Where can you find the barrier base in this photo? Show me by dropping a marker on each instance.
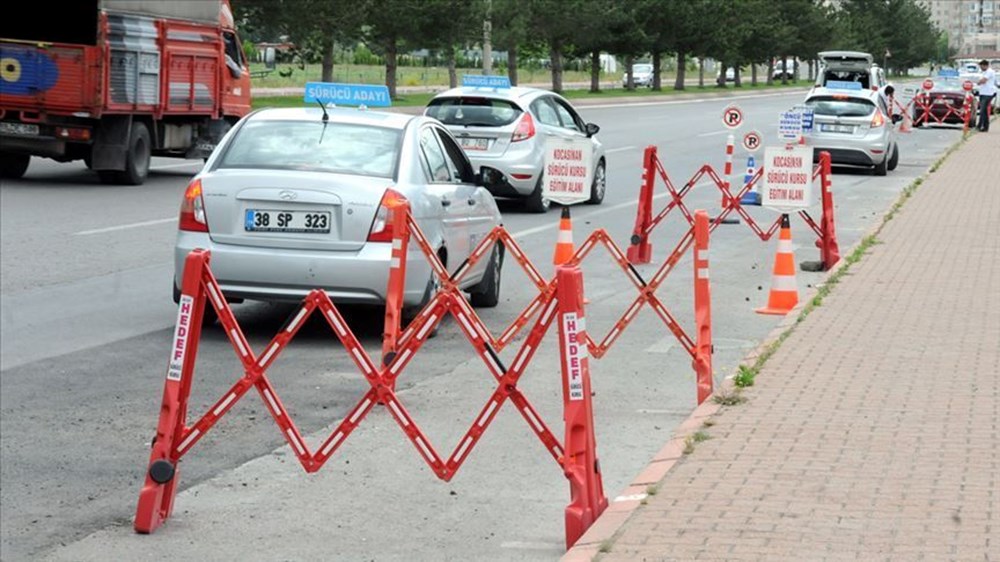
(774, 311)
(812, 266)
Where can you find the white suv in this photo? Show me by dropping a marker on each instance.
(852, 66)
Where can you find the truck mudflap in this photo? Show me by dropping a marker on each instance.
(209, 136)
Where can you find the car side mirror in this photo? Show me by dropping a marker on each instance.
(896, 118)
(591, 129)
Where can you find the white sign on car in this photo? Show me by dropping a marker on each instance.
(788, 178)
(568, 171)
(790, 125)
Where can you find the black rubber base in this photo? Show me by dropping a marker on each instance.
(161, 471)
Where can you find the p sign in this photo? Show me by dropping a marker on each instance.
(928, 84)
(568, 171)
(787, 178)
(732, 117)
(751, 141)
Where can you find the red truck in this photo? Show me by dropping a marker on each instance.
(113, 82)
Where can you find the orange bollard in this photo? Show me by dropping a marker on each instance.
(579, 460)
(640, 250)
(702, 363)
(564, 243)
(784, 293)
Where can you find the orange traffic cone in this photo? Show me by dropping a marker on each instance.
(784, 290)
(905, 125)
(564, 243)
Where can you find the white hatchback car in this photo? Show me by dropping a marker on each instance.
(503, 131)
(298, 199)
(854, 126)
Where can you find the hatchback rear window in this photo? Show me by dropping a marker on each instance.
(473, 111)
(840, 107)
(363, 150)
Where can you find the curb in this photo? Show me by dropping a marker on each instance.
(622, 507)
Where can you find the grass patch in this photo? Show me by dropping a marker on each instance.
(700, 436)
(728, 398)
(652, 490)
(708, 423)
(606, 546)
(421, 99)
(745, 377)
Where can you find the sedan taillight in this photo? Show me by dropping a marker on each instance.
(382, 225)
(193, 209)
(525, 128)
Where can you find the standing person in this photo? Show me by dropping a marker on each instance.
(987, 90)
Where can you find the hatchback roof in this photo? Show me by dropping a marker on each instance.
(845, 55)
(863, 93)
(512, 93)
(337, 115)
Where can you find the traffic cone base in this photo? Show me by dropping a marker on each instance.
(784, 293)
(564, 242)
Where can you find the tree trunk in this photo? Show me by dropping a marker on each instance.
(681, 68)
(811, 70)
(512, 64)
(737, 83)
(656, 71)
(753, 75)
(452, 75)
(720, 80)
(327, 65)
(390, 67)
(629, 77)
(770, 72)
(795, 70)
(595, 70)
(784, 70)
(701, 72)
(555, 58)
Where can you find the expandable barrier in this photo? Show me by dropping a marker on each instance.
(922, 105)
(560, 299)
(640, 249)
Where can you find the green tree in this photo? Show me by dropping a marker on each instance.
(556, 23)
(449, 25)
(391, 24)
(510, 21)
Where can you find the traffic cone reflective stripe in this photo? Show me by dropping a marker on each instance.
(564, 242)
(784, 293)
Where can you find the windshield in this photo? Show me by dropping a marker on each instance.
(363, 150)
(642, 69)
(840, 106)
(948, 84)
(473, 111)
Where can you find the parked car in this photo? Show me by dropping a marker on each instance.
(852, 66)
(642, 75)
(946, 101)
(292, 201)
(503, 131)
(784, 70)
(854, 127)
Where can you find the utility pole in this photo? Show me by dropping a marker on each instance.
(487, 45)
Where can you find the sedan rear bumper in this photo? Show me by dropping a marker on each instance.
(348, 277)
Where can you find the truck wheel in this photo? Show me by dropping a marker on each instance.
(137, 160)
(12, 165)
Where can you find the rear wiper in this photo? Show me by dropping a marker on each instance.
(478, 124)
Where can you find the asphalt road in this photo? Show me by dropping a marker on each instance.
(86, 319)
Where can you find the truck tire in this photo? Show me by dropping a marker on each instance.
(136, 159)
(12, 165)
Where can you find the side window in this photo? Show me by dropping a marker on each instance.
(568, 116)
(434, 156)
(458, 164)
(546, 114)
(233, 49)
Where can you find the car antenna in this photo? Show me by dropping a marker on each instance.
(326, 120)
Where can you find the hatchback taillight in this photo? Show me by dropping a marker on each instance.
(382, 225)
(878, 120)
(525, 128)
(193, 209)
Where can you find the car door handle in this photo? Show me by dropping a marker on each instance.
(445, 203)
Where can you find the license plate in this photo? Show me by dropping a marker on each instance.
(473, 143)
(940, 101)
(269, 220)
(18, 128)
(829, 128)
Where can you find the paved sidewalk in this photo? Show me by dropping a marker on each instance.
(873, 433)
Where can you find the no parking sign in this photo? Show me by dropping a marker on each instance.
(751, 141)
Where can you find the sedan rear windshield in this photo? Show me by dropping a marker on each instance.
(342, 148)
(841, 107)
(473, 111)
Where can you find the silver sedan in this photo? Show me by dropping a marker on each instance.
(504, 132)
(291, 201)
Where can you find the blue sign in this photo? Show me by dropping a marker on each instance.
(948, 73)
(808, 118)
(479, 81)
(843, 85)
(347, 94)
